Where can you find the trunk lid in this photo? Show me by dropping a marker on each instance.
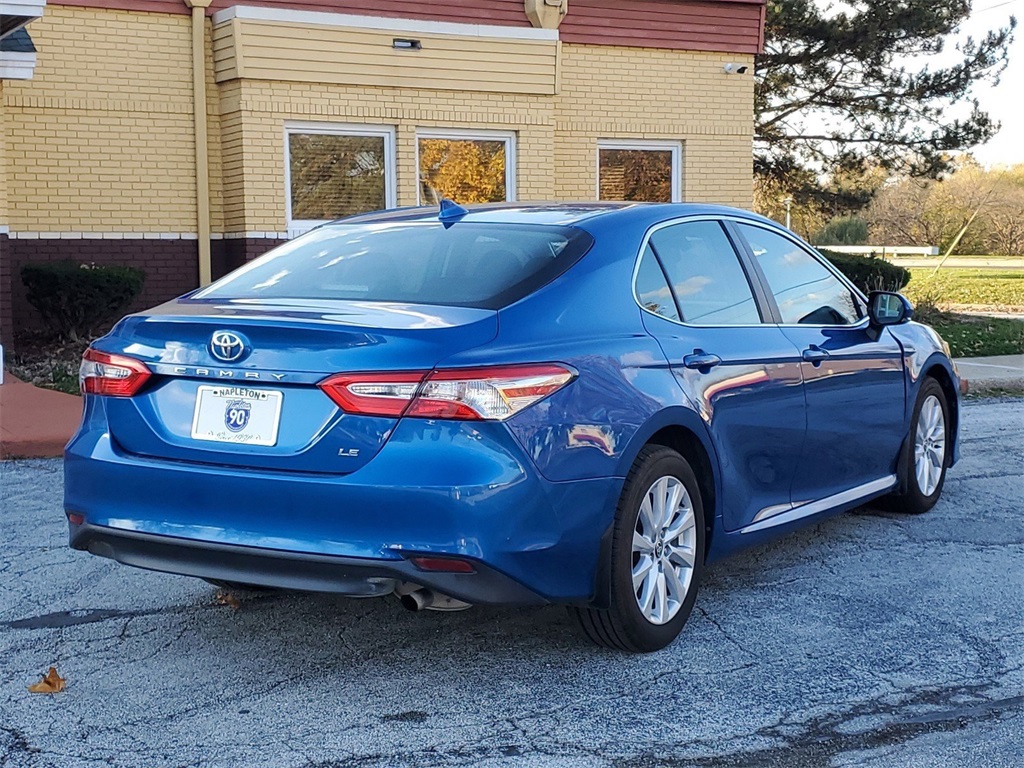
(289, 346)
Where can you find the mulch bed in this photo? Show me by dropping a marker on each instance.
(46, 362)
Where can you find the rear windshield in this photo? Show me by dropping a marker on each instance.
(467, 264)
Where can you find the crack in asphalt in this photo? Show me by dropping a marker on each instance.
(814, 745)
(822, 738)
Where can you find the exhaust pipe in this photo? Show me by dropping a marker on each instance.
(418, 600)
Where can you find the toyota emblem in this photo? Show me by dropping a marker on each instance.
(227, 346)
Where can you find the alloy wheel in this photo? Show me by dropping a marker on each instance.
(664, 548)
(930, 445)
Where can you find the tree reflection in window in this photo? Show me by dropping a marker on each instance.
(334, 175)
(641, 175)
(464, 170)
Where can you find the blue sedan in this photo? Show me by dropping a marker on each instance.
(515, 404)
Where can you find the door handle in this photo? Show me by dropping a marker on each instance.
(814, 354)
(701, 360)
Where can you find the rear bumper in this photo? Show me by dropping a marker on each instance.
(357, 577)
(436, 488)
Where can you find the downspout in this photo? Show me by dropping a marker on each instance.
(202, 152)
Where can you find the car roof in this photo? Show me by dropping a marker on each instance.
(565, 214)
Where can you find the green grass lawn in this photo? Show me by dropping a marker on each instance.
(996, 288)
(974, 336)
(971, 335)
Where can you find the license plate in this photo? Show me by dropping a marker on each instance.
(237, 415)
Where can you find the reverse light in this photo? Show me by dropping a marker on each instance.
(487, 393)
(493, 393)
(113, 375)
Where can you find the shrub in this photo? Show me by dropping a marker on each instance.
(843, 230)
(869, 273)
(74, 299)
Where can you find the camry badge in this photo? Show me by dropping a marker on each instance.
(227, 346)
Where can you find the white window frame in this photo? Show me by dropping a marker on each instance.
(387, 132)
(457, 134)
(676, 147)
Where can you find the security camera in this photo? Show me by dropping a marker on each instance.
(736, 69)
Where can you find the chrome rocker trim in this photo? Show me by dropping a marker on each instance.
(780, 514)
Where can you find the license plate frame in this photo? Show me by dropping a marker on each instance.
(234, 415)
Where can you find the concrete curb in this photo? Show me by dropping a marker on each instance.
(988, 374)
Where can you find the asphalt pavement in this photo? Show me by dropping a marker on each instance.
(865, 640)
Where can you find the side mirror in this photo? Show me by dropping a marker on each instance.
(886, 308)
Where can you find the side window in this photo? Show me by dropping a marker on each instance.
(805, 290)
(704, 271)
(652, 288)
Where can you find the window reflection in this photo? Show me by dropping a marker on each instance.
(652, 288)
(705, 273)
(804, 289)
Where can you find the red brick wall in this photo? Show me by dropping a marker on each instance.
(6, 312)
(227, 255)
(171, 268)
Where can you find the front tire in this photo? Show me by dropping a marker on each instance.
(928, 455)
(657, 557)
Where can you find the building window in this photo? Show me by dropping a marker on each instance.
(467, 167)
(647, 171)
(337, 170)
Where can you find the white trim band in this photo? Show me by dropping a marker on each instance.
(414, 26)
(5, 230)
(253, 236)
(17, 65)
(23, 8)
(102, 235)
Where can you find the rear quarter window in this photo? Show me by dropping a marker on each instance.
(466, 264)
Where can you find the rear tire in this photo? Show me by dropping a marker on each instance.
(657, 557)
(927, 457)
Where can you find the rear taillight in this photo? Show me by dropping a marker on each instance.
(114, 375)
(493, 393)
(487, 393)
(372, 394)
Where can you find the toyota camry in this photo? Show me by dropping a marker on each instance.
(523, 404)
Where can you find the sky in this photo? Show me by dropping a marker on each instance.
(1004, 102)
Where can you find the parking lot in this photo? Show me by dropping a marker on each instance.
(868, 640)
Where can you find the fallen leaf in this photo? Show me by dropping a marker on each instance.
(51, 683)
(226, 598)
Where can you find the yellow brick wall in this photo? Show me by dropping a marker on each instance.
(633, 93)
(606, 93)
(3, 158)
(254, 114)
(101, 139)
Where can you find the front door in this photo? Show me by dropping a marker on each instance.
(853, 375)
(742, 375)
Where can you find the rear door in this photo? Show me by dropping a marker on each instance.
(854, 380)
(742, 374)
